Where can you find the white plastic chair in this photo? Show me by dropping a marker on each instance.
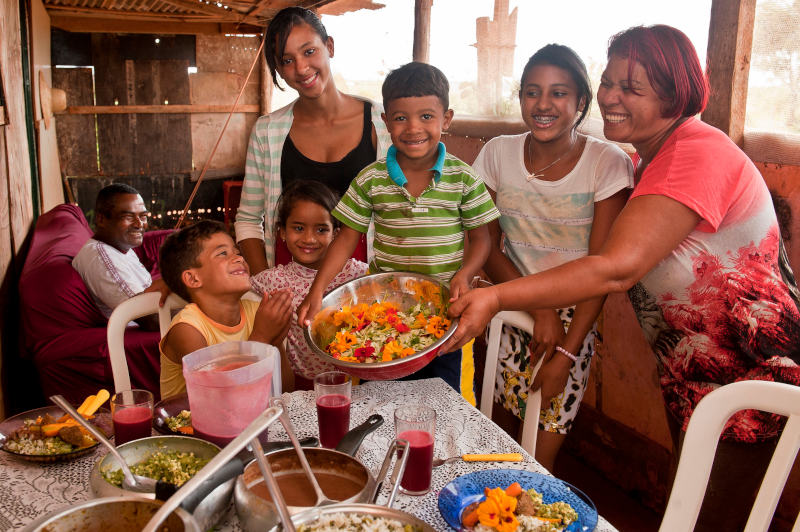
(521, 320)
(135, 307)
(700, 445)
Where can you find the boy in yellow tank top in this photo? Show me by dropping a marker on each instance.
(202, 264)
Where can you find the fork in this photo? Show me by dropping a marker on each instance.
(492, 457)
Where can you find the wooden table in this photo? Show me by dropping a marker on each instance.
(31, 489)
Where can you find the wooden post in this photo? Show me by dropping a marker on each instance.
(730, 42)
(422, 30)
(266, 86)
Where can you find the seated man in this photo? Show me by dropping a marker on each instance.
(107, 262)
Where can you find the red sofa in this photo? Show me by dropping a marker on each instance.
(64, 332)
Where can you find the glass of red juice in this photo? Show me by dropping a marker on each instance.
(333, 390)
(132, 413)
(416, 423)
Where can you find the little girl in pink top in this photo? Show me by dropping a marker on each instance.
(306, 226)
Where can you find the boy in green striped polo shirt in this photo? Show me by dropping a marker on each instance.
(421, 199)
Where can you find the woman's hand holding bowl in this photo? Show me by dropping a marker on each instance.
(474, 310)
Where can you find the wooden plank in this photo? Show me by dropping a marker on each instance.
(229, 54)
(6, 250)
(730, 40)
(51, 188)
(204, 13)
(422, 30)
(113, 131)
(77, 138)
(266, 86)
(213, 11)
(155, 109)
(20, 202)
(132, 24)
(163, 141)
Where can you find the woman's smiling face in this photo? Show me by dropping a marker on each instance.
(549, 102)
(630, 106)
(305, 63)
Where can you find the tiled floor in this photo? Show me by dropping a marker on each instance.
(622, 511)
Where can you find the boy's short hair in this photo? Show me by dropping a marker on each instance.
(180, 251)
(414, 80)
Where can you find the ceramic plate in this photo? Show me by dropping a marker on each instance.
(102, 419)
(166, 409)
(466, 489)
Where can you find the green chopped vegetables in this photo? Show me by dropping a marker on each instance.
(175, 467)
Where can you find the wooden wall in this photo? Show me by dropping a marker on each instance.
(141, 118)
(16, 204)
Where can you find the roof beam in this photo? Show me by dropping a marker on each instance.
(213, 11)
(163, 25)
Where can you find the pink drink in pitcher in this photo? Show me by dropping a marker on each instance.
(226, 392)
(417, 476)
(333, 413)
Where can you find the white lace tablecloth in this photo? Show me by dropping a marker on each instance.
(28, 490)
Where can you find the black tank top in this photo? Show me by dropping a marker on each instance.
(337, 175)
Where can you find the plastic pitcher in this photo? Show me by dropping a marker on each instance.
(229, 384)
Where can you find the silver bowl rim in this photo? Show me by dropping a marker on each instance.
(48, 518)
(150, 440)
(312, 514)
(346, 364)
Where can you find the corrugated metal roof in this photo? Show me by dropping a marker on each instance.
(248, 12)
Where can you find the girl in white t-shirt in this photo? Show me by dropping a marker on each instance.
(558, 192)
(306, 226)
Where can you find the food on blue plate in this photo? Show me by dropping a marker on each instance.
(514, 509)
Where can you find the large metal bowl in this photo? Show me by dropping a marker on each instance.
(312, 515)
(207, 513)
(404, 289)
(111, 514)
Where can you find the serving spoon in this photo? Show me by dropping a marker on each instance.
(131, 482)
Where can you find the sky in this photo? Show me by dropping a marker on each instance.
(370, 43)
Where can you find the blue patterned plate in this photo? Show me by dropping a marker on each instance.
(466, 489)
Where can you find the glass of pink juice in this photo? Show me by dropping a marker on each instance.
(333, 390)
(132, 414)
(416, 423)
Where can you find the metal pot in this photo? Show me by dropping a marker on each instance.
(209, 510)
(257, 514)
(405, 289)
(112, 514)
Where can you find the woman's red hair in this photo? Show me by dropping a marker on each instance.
(671, 63)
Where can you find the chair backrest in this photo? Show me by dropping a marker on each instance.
(520, 320)
(700, 445)
(135, 307)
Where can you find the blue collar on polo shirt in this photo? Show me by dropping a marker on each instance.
(396, 173)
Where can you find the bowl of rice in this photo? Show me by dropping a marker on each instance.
(382, 326)
(357, 517)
